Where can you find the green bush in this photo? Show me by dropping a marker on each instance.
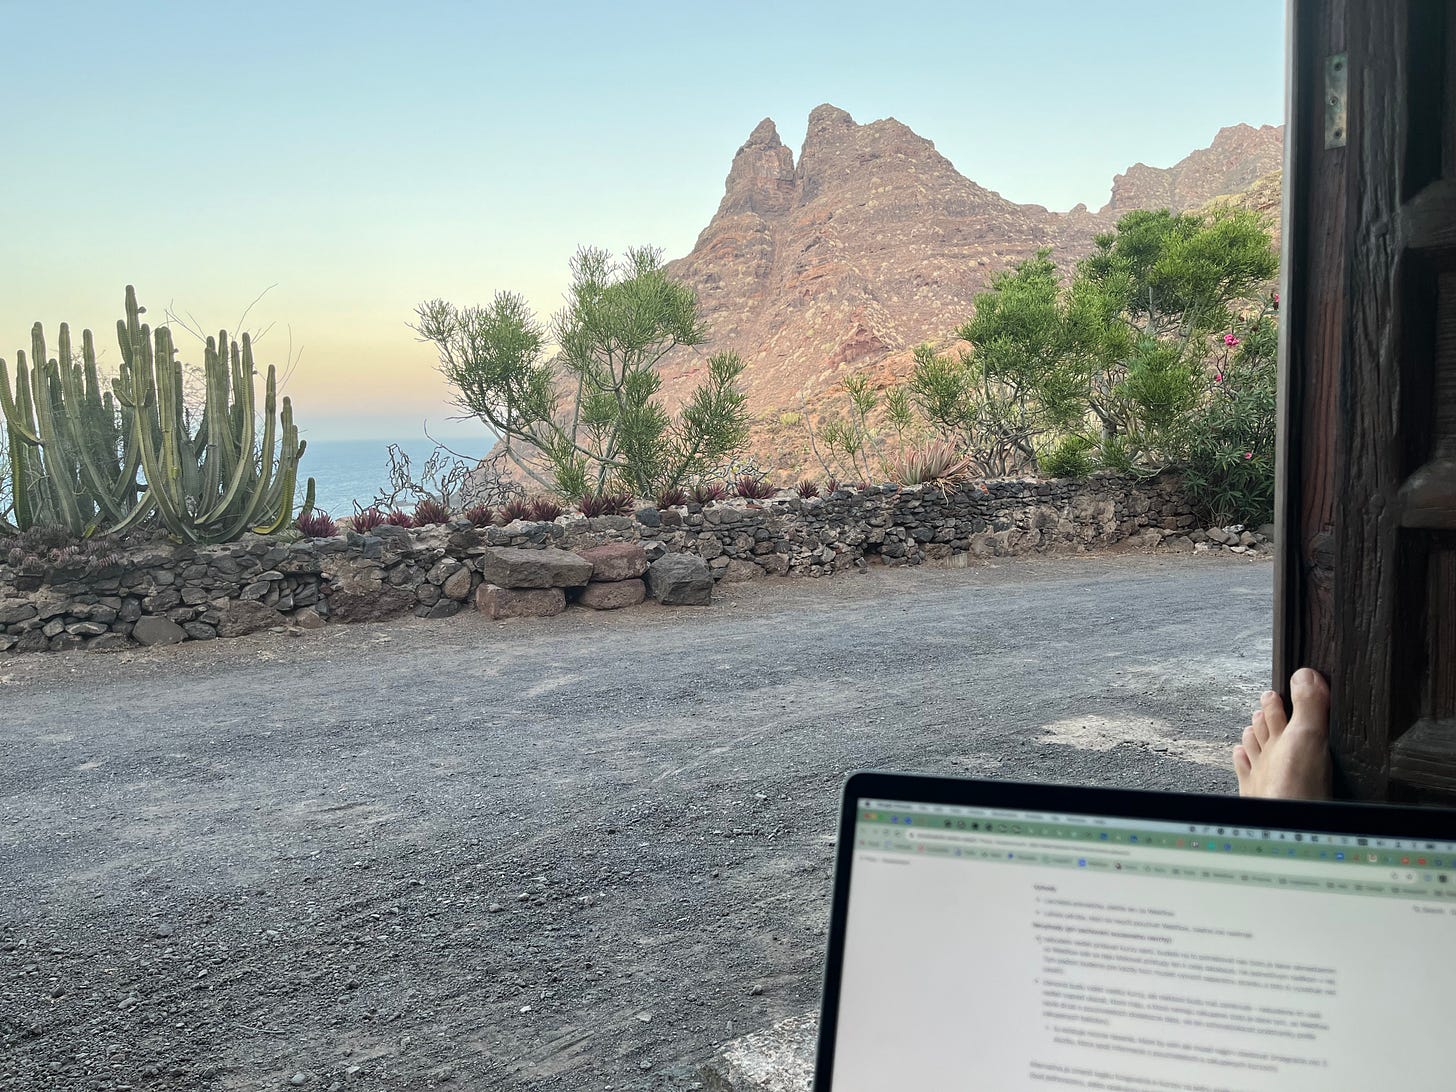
(1228, 451)
(1070, 458)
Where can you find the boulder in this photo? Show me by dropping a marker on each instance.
(613, 595)
(680, 580)
(243, 616)
(779, 1059)
(516, 567)
(457, 584)
(494, 601)
(308, 618)
(739, 572)
(152, 630)
(359, 593)
(616, 561)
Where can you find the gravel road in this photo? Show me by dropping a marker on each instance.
(578, 853)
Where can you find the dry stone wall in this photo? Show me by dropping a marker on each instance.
(165, 594)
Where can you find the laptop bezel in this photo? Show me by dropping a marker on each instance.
(1378, 820)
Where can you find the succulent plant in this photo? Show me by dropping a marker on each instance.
(76, 451)
(675, 497)
(400, 518)
(546, 510)
(480, 515)
(808, 489)
(366, 519)
(316, 524)
(605, 504)
(751, 488)
(514, 509)
(708, 493)
(430, 512)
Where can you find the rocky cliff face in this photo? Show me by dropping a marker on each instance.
(871, 243)
(1239, 156)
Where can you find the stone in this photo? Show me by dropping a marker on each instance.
(780, 1059)
(613, 595)
(1265, 531)
(151, 630)
(457, 584)
(243, 616)
(680, 580)
(649, 517)
(200, 631)
(16, 611)
(739, 572)
(358, 593)
(616, 561)
(496, 602)
(308, 618)
(86, 629)
(516, 568)
(445, 608)
(108, 642)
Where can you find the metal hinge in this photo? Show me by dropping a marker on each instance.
(1337, 83)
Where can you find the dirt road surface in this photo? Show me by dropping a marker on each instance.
(572, 854)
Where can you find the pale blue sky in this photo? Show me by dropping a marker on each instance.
(365, 156)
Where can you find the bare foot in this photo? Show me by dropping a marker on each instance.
(1288, 758)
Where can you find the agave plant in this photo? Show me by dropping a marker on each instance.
(429, 512)
(938, 464)
(675, 497)
(832, 485)
(512, 510)
(708, 493)
(366, 519)
(605, 504)
(546, 510)
(399, 518)
(479, 516)
(751, 488)
(316, 524)
(808, 489)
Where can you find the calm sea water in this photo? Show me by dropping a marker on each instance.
(350, 470)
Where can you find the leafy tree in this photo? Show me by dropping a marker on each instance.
(1113, 363)
(588, 416)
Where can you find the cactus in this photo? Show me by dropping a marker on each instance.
(76, 451)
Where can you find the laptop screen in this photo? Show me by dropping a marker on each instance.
(1003, 949)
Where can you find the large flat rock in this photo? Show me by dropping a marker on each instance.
(518, 567)
(497, 602)
(780, 1059)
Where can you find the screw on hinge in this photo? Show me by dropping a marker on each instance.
(1337, 81)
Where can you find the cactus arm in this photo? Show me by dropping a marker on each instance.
(45, 383)
(20, 425)
(244, 438)
(146, 401)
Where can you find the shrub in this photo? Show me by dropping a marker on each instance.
(1071, 458)
(480, 515)
(1228, 452)
(708, 493)
(808, 489)
(399, 518)
(937, 463)
(832, 485)
(751, 488)
(316, 524)
(514, 509)
(675, 497)
(53, 545)
(429, 511)
(367, 519)
(546, 510)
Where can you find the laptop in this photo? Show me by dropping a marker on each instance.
(992, 935)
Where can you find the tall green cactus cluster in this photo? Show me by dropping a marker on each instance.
(100, 461)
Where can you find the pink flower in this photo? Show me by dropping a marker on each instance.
(1230, 340)
(1248, 455)
(1218, 378)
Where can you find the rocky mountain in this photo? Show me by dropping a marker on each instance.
(1239, 156)
(872, 242)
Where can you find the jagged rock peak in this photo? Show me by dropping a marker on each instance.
(761, 180)
(826, 116)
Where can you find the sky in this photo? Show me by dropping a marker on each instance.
(350, 160)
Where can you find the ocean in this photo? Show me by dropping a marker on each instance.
(350, 470)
